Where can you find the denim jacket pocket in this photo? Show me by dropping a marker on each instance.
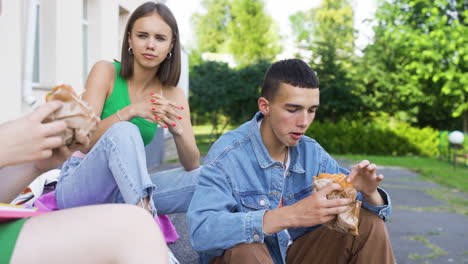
(303, 193)
(255, 202)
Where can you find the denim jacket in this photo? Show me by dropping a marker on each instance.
(239, 182)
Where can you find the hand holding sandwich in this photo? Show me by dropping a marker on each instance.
(28, 138)
(312, 210)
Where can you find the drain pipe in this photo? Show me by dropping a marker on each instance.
(28, 62)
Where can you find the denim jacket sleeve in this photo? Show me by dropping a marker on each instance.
(212, 217)
(383, 211)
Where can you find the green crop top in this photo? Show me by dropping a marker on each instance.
(120, 99)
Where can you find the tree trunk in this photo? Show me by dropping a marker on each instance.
(465, 121)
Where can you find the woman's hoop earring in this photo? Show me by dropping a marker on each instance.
(169, 55)
(130, 50)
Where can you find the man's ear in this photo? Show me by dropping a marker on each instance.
(264, 106)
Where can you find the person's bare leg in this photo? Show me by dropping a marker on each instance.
(113, 233)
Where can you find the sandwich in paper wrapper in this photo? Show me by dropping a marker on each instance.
(79, 116)
(347, 221)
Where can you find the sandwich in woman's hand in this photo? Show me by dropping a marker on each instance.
(347, 221)
(79, 116)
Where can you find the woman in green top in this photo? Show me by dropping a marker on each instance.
(79, 235)
(133, 98)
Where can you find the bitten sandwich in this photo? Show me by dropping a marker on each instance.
(79, 116)
(347, 221)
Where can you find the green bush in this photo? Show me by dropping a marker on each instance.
(377, 137)
(220, 95)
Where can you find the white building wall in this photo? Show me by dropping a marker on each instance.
(184, 72)
(48, 43)
(61, 46)
(103, 30)
(69, 43)
(10, 60)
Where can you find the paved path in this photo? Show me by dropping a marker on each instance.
(429, 223)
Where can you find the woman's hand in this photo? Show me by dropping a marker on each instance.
(166, 113)
(28, 139)
(156, 109)
(58, 156)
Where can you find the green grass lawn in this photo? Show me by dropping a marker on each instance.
(431, 169)
(203, 137)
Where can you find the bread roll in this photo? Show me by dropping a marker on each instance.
(79, 116)
(347, 221)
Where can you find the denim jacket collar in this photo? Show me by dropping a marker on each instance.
(263, 156)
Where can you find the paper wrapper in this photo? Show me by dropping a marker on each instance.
(79, 116)
(347, 221)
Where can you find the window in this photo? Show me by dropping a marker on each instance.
(85, 40)
(36, 59)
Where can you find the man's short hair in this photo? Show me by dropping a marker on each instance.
(294, 72)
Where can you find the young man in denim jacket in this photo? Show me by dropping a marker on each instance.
(253, 203)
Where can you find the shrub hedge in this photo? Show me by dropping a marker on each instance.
(377, 137)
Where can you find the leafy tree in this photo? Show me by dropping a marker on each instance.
(238, 27)
(195, 59)
(253, 35)
(384, 83)
(245, 93)
(210, 83)
(418, 61)
(225, 96)
(301, 24)
(330, 35)
(211, 27)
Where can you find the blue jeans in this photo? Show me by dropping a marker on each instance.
(114, 171)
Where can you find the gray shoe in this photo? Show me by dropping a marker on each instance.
(172, 258)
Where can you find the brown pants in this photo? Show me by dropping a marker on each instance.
(323, 245)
